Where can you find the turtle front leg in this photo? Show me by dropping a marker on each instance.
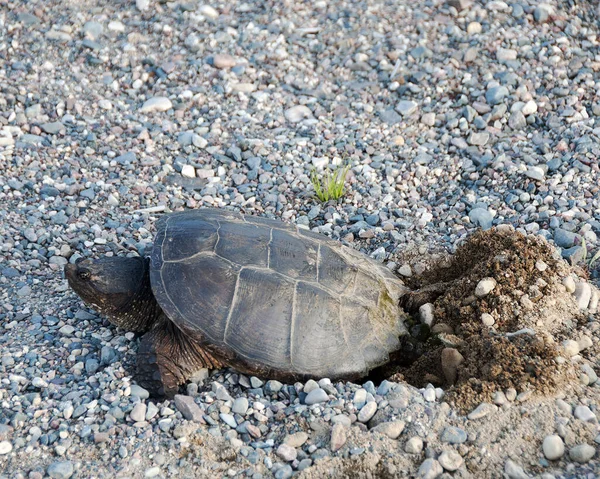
(413, 300)
(167, 357)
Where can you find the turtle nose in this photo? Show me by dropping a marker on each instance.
(70, 270)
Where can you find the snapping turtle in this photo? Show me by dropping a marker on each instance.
(269, 299)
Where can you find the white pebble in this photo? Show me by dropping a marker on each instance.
(426, 314)
(414, 445)
(570, 347)
(584, 413)
(487, 319)
(569, 284)
(157, 103)
(5, 447)
(450, 460)
(553, 447)
(485, 287)
(297, 113)
(583, 294)
(188, 171)
(208, 11)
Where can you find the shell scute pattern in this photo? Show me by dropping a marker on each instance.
(275, 296)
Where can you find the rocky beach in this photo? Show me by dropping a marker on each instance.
(471, 130)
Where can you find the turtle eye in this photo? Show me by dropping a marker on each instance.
(84, 274)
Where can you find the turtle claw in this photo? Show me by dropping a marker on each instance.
(413, 300)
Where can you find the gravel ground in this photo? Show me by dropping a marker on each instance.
(453, 116)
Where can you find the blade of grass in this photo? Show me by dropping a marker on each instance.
(332, 184)
(595, 258)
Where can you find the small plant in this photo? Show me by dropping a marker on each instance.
(595, 258)
(332, 185)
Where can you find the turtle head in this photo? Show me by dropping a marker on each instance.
(109, 284)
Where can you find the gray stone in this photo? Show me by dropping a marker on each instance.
(138, 413)
(296, 440)
(221, 392)
(284, 472)
(273, 387)
(583, 294)
(338, 437)
(590, 373)
(367, 411)
(529, 108)
(535, 173)
(541, 14)
(406, 107)
(496, 94)
(92, 30)
(297, 113)
(483, 410)
(316, 396)
(414, 445)
(517, 120)
(228, 419)
(91, 366)
(450, 460)
(224, 61)
(360, 398)
(429, 469)
(573, 255)
(390, 117)
(287, 452)
(420, 52)
(60, 470)
(481, 217)
(138, 391)
(391, 429)
(156, 104)
(514, 471)
(506, 54)
(188, 408)
(582, 453)
(564, 238)
(453, 435)
(341, 419)
(240, 406)
(255, 382)
(460, 5)
(479, 139)
(584, 413)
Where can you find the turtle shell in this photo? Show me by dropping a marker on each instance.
(275, 300)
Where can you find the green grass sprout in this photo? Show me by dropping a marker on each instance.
(332, 185)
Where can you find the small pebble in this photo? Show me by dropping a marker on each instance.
(582, 453)
(414, 445)
(485, 287)
(553, 447)
(338, 437)
(429, 469)
(450, 460)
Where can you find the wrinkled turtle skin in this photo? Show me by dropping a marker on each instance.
(274, 300)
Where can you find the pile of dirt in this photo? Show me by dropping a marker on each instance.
(531, 310)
